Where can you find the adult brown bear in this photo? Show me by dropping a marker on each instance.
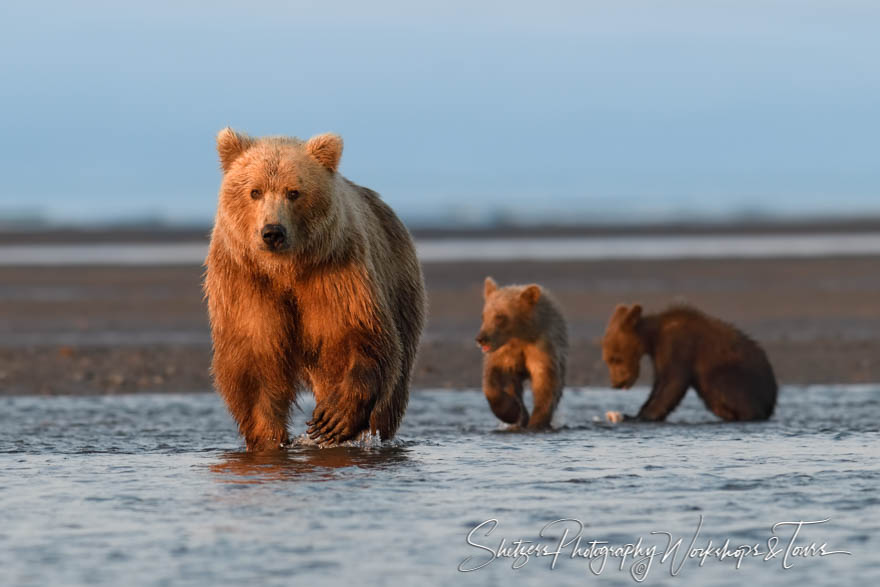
(311, 281)
(729, 370)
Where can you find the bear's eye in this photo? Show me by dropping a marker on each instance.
(292, 194)
(256, 194)
(501, 320)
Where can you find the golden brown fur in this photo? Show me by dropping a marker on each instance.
(524, 337)
(729, 370)
(336, 306)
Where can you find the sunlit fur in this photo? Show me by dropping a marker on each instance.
(729, 370)
(337, 309)
(524, 336)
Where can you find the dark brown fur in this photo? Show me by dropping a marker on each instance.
(729, 370)
(524, 337)
(338, 308)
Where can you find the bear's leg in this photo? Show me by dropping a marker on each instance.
(546, 389)
(261, 415)
(343, 412)
(668, 390)
(389, 410)
(268, 422)
(734, 396)
(764, 396)
(386, 417)
(504, 391)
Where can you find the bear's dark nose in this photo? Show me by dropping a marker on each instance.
(273, 235)
(482, 338)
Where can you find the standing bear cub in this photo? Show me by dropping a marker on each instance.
(728, 369)
(311, 281)
(523, 336)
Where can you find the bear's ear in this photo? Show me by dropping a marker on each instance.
(326, 149)
(489, 287)
(619, 313)
(531, 294)
(230, 145)
(634, 315)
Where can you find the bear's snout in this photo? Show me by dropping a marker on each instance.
(274, 235)
(625, 382)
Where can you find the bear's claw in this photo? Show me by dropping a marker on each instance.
(334, 427)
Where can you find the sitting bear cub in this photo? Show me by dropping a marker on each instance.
(523, 337)
(729, 370)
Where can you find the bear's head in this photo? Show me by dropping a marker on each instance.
(622, 347)
(277, 197)
(508, 312)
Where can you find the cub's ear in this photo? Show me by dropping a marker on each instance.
(326, 149)
(531, 294)
(634, 315)
(489, 287)
(619, 313)
(230, 145)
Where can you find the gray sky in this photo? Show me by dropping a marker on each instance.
(109, 109)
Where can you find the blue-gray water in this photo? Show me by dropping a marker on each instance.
(156, 490)
(487, 249)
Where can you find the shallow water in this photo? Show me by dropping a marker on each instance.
(156, 490)
(588, 248)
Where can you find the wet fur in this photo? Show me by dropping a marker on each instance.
(729, 370)
(340, 312)
(532, 344)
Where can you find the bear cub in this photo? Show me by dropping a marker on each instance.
(523, 336)
(688, 348)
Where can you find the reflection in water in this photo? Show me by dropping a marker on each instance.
(304, 463)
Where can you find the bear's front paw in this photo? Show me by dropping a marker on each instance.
(333, 423)
(614, 417)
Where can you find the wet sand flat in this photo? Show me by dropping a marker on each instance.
(111, 329)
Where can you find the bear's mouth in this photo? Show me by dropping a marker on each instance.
(484, 346)
(275, 251)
